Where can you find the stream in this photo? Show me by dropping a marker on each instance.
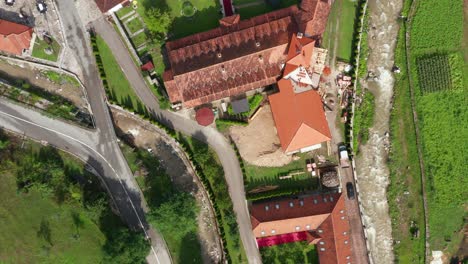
(371, 166)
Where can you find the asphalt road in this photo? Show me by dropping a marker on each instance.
(106, 152)
(218, 142)
(358, 240)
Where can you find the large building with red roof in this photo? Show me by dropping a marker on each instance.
(317, 219)
(240, 55)
(297, 108)
(109, 6)
(14, 38)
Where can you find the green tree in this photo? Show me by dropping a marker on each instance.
(176, 216)
(124, 246)
(157, 22)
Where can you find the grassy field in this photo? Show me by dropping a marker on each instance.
(443, 115)
(120, 88)
(290, 253)
(258, 177)
(47, 216)
(404, 191)
(260, 7)
(206, 17)
(21, 218)
(342, 15)
(40, 45)
(134, 25)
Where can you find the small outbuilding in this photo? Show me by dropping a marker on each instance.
(204, 116)
(240, 106)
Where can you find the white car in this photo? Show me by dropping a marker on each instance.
(41, 7)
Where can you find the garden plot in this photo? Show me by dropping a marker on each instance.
(439, 72)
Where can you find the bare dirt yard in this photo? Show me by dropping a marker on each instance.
(258, 143)
(23, 71)
(147, 136)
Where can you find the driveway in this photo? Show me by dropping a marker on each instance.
(211, 136)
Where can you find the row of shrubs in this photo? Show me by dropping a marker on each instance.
(277, 193)
(241, 161)
(357, 61)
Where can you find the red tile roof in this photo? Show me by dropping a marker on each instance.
(106, 5)
(14, 37)
(234, 58)
(299, 117)
(330, 232)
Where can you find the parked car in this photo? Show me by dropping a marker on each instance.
(350, 190)
(41, 6)
(9, 2)
(344, 158)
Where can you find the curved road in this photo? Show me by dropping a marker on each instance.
(211, 136)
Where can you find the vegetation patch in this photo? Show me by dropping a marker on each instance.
(173, 212)
(437, 28)
(43, 50)
(265, 182)
(60, 78)
(437, 25)
(290, 253)
(252, 8)
(134, 25)
(223, 125)
(343, 13)
(363, 119)
(434, 73)
(115, 83)
(404, 190)
(212, 176)
(52, 210)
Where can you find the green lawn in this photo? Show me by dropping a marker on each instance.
(261, 8)
(53, 218)
(60, 78)
(343, 13)
(134, 25)
(265, 176)
(21, 215)
(39, 50)
(290, 253)
(206, 18)
(123, 11)
(139, 39)
(120, 88)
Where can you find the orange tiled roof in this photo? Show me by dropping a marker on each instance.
(325, 215)
(106, 5)
(299, 117)
(14, 37)
(234, 58)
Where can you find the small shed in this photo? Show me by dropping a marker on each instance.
(147, 66)
(204, 116)
(240, 106)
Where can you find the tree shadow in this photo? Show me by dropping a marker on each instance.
(190, 249)
(45, 232)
